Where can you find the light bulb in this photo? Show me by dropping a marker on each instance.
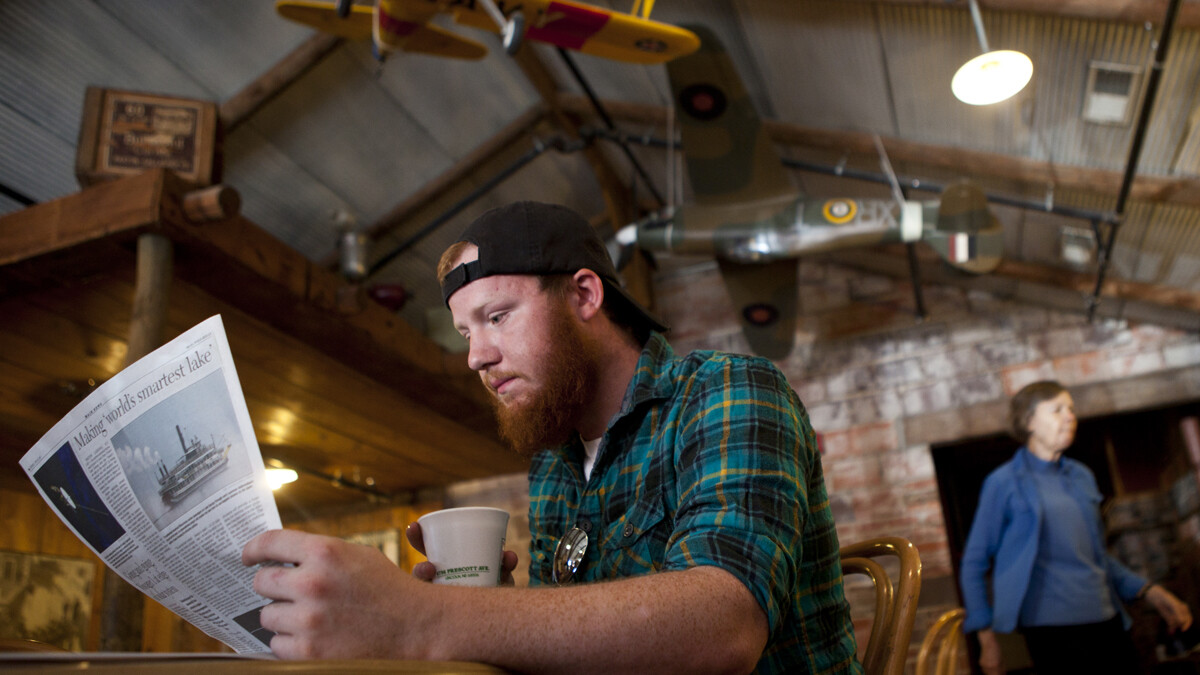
(277, 478)
(992, 77)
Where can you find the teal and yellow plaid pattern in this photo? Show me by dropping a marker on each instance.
(711, 461)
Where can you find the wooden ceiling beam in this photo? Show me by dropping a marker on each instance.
(1128, 11)
(239, 107)
(1154, 189)
(433, 190)
(892, 260)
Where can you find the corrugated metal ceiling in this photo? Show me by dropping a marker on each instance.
(356, 137)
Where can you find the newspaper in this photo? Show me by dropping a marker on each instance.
(158, 471)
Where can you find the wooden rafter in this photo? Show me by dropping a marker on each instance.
(239, 107)
(893, 261)
(491, 148)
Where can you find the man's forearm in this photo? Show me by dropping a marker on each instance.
(699, 620)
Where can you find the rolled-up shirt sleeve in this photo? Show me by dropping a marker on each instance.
(746, 455)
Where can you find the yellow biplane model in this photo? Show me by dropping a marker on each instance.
(405, 25)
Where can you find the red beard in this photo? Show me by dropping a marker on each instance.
(549, 415)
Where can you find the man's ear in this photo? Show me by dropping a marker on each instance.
(589, 293)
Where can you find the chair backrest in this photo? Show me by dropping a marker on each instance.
(895, 604)
(943, 636)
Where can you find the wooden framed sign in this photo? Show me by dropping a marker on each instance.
(125, 132)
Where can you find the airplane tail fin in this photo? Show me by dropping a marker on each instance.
(967, 235)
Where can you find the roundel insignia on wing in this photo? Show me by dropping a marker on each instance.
(702, 101)
(838, 211)
(760, 314)
(652, 45)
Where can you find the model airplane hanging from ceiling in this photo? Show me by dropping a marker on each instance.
(752, 219)
(406, 25)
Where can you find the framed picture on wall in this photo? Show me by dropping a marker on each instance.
(46, 598)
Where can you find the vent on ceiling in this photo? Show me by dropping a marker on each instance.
(1077, 246)
(1111, 92)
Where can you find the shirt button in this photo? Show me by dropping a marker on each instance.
(628, 530)
(585, 525)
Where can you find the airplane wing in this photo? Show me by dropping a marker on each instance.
(391, 25)
(737, 177)
(730, 158)
(591, 30)
(764, 296)
(427, 38)
(403, 25)
(323, 16)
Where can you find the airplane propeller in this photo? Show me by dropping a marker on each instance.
(512, 29)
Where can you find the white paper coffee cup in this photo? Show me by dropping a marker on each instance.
(465, 545)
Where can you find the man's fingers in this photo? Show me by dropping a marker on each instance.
(508, 563)
(271, 582)
(413, 532)
(272, 616)
(273, 546)
(425, 571)
(287, 647)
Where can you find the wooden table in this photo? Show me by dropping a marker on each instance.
(113, 663)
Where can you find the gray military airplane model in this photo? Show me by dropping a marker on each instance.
(754, 221)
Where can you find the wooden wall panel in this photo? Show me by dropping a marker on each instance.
(27, 525)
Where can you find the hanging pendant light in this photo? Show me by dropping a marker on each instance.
(993, 76)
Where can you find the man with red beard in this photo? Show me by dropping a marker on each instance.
(690, 484)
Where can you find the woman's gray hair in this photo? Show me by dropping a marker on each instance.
(1025, 402)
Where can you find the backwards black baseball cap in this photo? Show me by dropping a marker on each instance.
(541, 239)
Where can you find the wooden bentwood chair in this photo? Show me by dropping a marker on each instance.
(943, 636)
(895, 605)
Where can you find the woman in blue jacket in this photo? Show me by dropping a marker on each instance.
(1038, 531)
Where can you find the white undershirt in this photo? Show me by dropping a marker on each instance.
(590, 448)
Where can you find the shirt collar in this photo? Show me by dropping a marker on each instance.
(647, 383)
(1036, 464)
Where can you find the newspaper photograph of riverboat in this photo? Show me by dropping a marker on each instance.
(184, 449)
(200, 460)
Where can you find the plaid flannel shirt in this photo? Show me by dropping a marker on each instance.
(711, 461)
